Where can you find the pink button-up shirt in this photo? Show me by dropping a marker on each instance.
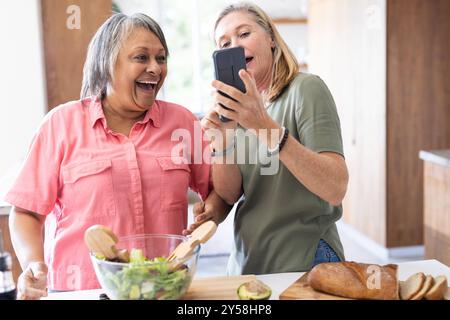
(79, 173)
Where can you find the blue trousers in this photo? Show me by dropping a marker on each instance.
(325, 253)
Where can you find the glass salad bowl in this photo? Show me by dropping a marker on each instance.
(148, 275)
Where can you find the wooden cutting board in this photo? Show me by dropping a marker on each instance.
(218, 288)
(300, 290)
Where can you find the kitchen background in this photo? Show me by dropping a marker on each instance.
(386, 63)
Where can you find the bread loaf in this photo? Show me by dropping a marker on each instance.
(355, 280)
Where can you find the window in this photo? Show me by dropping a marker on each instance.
(188, 28)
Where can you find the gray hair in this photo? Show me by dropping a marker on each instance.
(104, 49)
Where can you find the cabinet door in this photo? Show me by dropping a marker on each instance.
(68, 26)
(418, 113)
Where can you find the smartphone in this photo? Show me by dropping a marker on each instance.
(227, 63)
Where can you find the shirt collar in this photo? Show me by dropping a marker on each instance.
(96, 113)
(154, 114)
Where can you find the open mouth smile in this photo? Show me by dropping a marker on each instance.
(146, 85)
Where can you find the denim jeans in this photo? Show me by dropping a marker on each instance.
(325, 253)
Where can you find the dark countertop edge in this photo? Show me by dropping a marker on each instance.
(441, 157)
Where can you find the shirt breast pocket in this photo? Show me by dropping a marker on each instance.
(175, 177)
(88, 189)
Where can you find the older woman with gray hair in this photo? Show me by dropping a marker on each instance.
(106, 159)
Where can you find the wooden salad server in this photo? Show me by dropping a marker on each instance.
(102, 240)
(200, 235)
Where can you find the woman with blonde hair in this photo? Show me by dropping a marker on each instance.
(285, 219)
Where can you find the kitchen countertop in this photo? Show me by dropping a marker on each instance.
(281, 281)
(441, 157)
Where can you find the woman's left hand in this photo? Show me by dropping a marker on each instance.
(248, 109)
(202, 213)
(213, 208)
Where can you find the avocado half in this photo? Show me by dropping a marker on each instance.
(254, 290)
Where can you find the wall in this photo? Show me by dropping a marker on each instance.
(22, 89)
(386, 62)
(290, 17)
(347, 49)
(296, 37)
(149, 7)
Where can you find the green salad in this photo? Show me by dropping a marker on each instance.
(146, 279)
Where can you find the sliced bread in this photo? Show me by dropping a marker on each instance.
(447, 294)
(411, 286)
(438, 289)
(427, 284)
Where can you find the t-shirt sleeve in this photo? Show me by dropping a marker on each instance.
(36, 186)
(201, 180)
(317, 119)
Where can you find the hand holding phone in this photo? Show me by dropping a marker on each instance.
(227, 63)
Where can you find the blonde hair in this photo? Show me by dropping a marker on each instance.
(285, 66)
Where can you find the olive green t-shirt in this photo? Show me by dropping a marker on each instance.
(278, 222)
